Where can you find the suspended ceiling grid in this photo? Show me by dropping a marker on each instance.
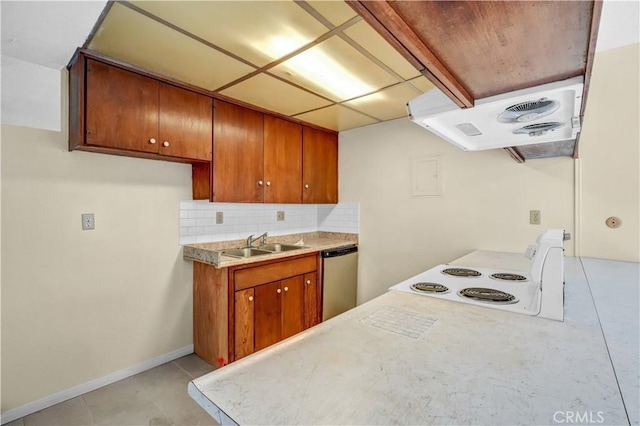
(317, 61)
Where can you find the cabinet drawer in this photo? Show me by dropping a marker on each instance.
(250, 277)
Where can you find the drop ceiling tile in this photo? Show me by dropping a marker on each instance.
(275, 95)
(422, 83)
(336, 12)
(387, 104)
(375, 44)
(334, 69)
(337, 117)
(134, 38)
(258, 31)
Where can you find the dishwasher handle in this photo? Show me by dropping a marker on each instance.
(340, 251)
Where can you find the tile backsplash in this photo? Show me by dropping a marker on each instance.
(198, 219)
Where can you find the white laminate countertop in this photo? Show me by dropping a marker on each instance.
(406, 359)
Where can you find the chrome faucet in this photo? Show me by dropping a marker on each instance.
(251, 240)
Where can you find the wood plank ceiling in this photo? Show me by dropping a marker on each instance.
(475, 49)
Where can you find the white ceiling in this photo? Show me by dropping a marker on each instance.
(47, 33)
(619, 24)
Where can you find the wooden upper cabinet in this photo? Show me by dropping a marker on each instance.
(185, 123)
(282, 161)
(116, 111)
(237, 168)
(121, 109)
(319, 166)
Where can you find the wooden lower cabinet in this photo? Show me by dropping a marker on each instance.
(243, 309)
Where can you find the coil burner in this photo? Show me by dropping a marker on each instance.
(461, 272)
(429, 288)
(488, 295)
(505, 276)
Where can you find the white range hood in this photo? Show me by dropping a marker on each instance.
(546, 113)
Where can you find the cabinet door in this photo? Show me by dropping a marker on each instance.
(185, 123)
(292, 306)
(282, 161)
(267, 315)
(320, 167)
(244, 320)
(121, 109)
(311, 302)
(237, 167)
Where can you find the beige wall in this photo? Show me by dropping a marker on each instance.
(609, 179)
(79, 305)
(485, 203)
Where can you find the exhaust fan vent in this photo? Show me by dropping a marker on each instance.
(468, 129)
(538, 129)
(528, 111)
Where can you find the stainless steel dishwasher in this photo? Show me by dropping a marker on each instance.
(340, 280)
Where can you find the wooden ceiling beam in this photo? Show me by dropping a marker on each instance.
(390, 25)
(591, 52)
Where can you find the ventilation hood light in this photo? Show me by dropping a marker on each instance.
(546, 113)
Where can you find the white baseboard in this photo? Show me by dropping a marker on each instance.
(56, 398)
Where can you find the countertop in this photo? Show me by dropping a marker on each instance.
(405, 359)
(310, 242)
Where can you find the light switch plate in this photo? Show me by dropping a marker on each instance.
(88, 222)
(534, 217)
(280, 215)
(219, 218)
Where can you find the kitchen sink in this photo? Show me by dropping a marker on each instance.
(246, 252)
(280, 247)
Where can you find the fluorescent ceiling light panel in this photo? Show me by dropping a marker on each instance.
(319, 68)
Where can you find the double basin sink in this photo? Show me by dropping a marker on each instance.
(247, 252)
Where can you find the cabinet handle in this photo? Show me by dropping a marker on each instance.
(268, 183)
(278, 291)
(259, 183)
(286, 289)
(250, 298)
(308, 282)
(306, 186)
(165, 143)
(152, 141)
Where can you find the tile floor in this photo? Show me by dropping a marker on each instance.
(154, 397)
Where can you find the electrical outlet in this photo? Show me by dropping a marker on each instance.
(219, 218)
(280, 215)
(534, 217)
(88, 222)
